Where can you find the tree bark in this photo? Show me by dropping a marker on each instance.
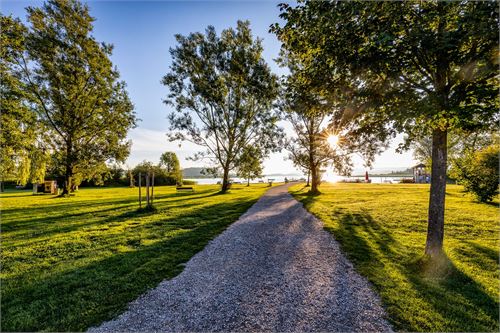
(248, 181)
(225, 180)
(308, 177)
(68, 175)
(68, 180)
(314, 180)
(435, 227)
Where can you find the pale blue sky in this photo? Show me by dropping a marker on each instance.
(142, 33)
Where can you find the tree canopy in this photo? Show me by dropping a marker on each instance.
(18, 137)
(170, 162)
(250, 163)
(409, 67)
(223, 93)
(73, 88)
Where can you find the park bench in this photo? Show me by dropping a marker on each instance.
(185, 189)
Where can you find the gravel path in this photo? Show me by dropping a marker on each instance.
(275, 269)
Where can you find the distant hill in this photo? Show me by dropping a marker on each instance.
(195, 172)
(192, 173)
(384, 173)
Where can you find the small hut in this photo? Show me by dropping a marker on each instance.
(420, 174)
(50, 186)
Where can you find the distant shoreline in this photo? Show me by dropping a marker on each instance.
(386, 175)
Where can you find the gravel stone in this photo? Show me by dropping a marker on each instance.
(275, 269)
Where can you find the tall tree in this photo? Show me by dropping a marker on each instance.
(412, 66)
(170, 162)
(309, 149)
(223, 93)
(250, 164)
(325, 131)
(76, 91)
(18, 135)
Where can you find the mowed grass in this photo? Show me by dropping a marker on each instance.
(382, 229)
(71, 263)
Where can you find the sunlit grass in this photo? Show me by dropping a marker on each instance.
(70, 263)
(382, 229)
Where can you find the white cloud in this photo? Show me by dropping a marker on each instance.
(148, 144)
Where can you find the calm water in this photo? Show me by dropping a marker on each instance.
(208, 181)
(334, 179)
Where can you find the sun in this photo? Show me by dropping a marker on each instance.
(333, 140)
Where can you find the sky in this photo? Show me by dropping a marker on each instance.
(142, 33)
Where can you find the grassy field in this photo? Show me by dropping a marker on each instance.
(70, 263)
(382, 229)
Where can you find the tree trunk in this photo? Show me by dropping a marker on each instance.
(435, 227)
(308, 177)
(248, 181)
(68, 175)
(314, 180)
(68, 180)
(225, 180)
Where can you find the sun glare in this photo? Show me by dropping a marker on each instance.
(333, 140)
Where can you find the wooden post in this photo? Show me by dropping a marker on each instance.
(152, 187)
(140, 196)
(147, 189)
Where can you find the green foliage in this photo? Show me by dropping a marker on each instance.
(17, 119)
(478, 172)
(74, 88)
(162, 177)
(382, 229)
(459, 143)
(316, 110)
(413, 65)
(403, 66)
(223, 91)
(170, 162)
(250, 163)
(69, 265)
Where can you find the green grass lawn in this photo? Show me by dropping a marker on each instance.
(71, 263)
(382, 229)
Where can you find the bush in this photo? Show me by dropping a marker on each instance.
(478, 172)
(189, 182)
(162, 177)
(407, 181)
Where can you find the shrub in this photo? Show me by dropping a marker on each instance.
(162, 177)
(478, 172)
(189, 182)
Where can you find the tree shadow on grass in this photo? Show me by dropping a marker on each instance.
(86, 295)
(300, 190)
(20, 194)
(50, 223)
(462, 303)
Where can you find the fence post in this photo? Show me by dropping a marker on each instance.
(152, 187)
(147, 189)
(140, 196)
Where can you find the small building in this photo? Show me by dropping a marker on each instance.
(50, 186)
(420, 175)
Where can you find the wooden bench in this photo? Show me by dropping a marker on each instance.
(185, 188)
